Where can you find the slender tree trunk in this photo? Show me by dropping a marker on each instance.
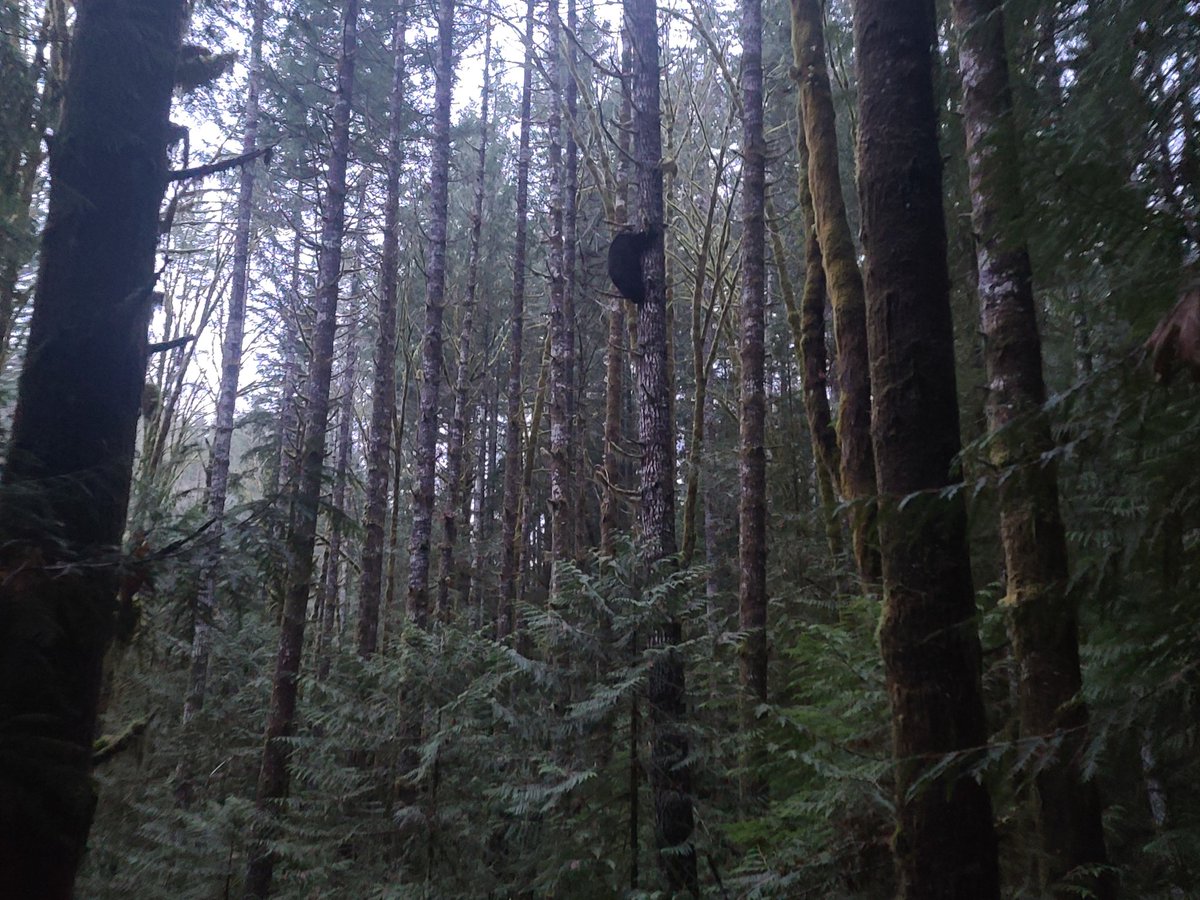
(806, 320)
(945, 845)
(752, 462)
(70, 462)
(383, 396)
(273, 775)
(670, 775)
(1043, 621)
(561, 527)
(506, 619)
(330, 585)
(420, 540)
(462, 381)
(704, 345)
(839, 259)
(615, 359)
(576, 509)
(231, 371)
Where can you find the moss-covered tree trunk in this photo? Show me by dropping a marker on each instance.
(1042, 614)
(67, 477)
(839, 259)
(945, 845)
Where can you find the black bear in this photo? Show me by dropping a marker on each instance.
(625, 262)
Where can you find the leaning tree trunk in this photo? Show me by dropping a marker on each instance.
(456, 485)
(273, 775)
(945, 844)
(752, 407)
(670, 774)
(383, 397)
(67, 478)
(1043, 621)
(506, 617)
(435, 304)
(839, 259)
(231, 371)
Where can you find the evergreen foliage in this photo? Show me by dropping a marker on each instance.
(456, 763)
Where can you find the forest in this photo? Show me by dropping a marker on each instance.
(600, 448)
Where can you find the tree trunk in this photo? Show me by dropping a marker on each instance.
(273, 774)
(67, 478)
(945, 844)
(231, 371)
(1043, 623)
(670, 776)
(561, 340)
(615, 359)
(383, 396)
(420, 541)
(575, 442)
(806, 321)
(455, 486)
(839, 260)
(330, 585)
(752, 407)
(506, 617)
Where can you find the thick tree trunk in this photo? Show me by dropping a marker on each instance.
(273, 775)
(839, 259)
(752, 407)
(670, 776)
(420, 541)
(231, 371)
(67, 478)
(1044, 628)
(506, 617)
(945, 844)
(455, 486)
(383, 395)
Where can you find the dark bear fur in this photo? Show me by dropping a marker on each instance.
(625, 262)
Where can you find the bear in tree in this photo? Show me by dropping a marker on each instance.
(625, 262)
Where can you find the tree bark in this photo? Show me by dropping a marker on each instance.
(331, 581)
(1043, 619)
(455, 486)
(231, 371)
(615, 358)
(383, 396)
(67, 477)
(839, 259)
(506, 618)
(945, 845)
(670, 775)
(421, 539)
(752, 407)
(561, 348)
(273, 775)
